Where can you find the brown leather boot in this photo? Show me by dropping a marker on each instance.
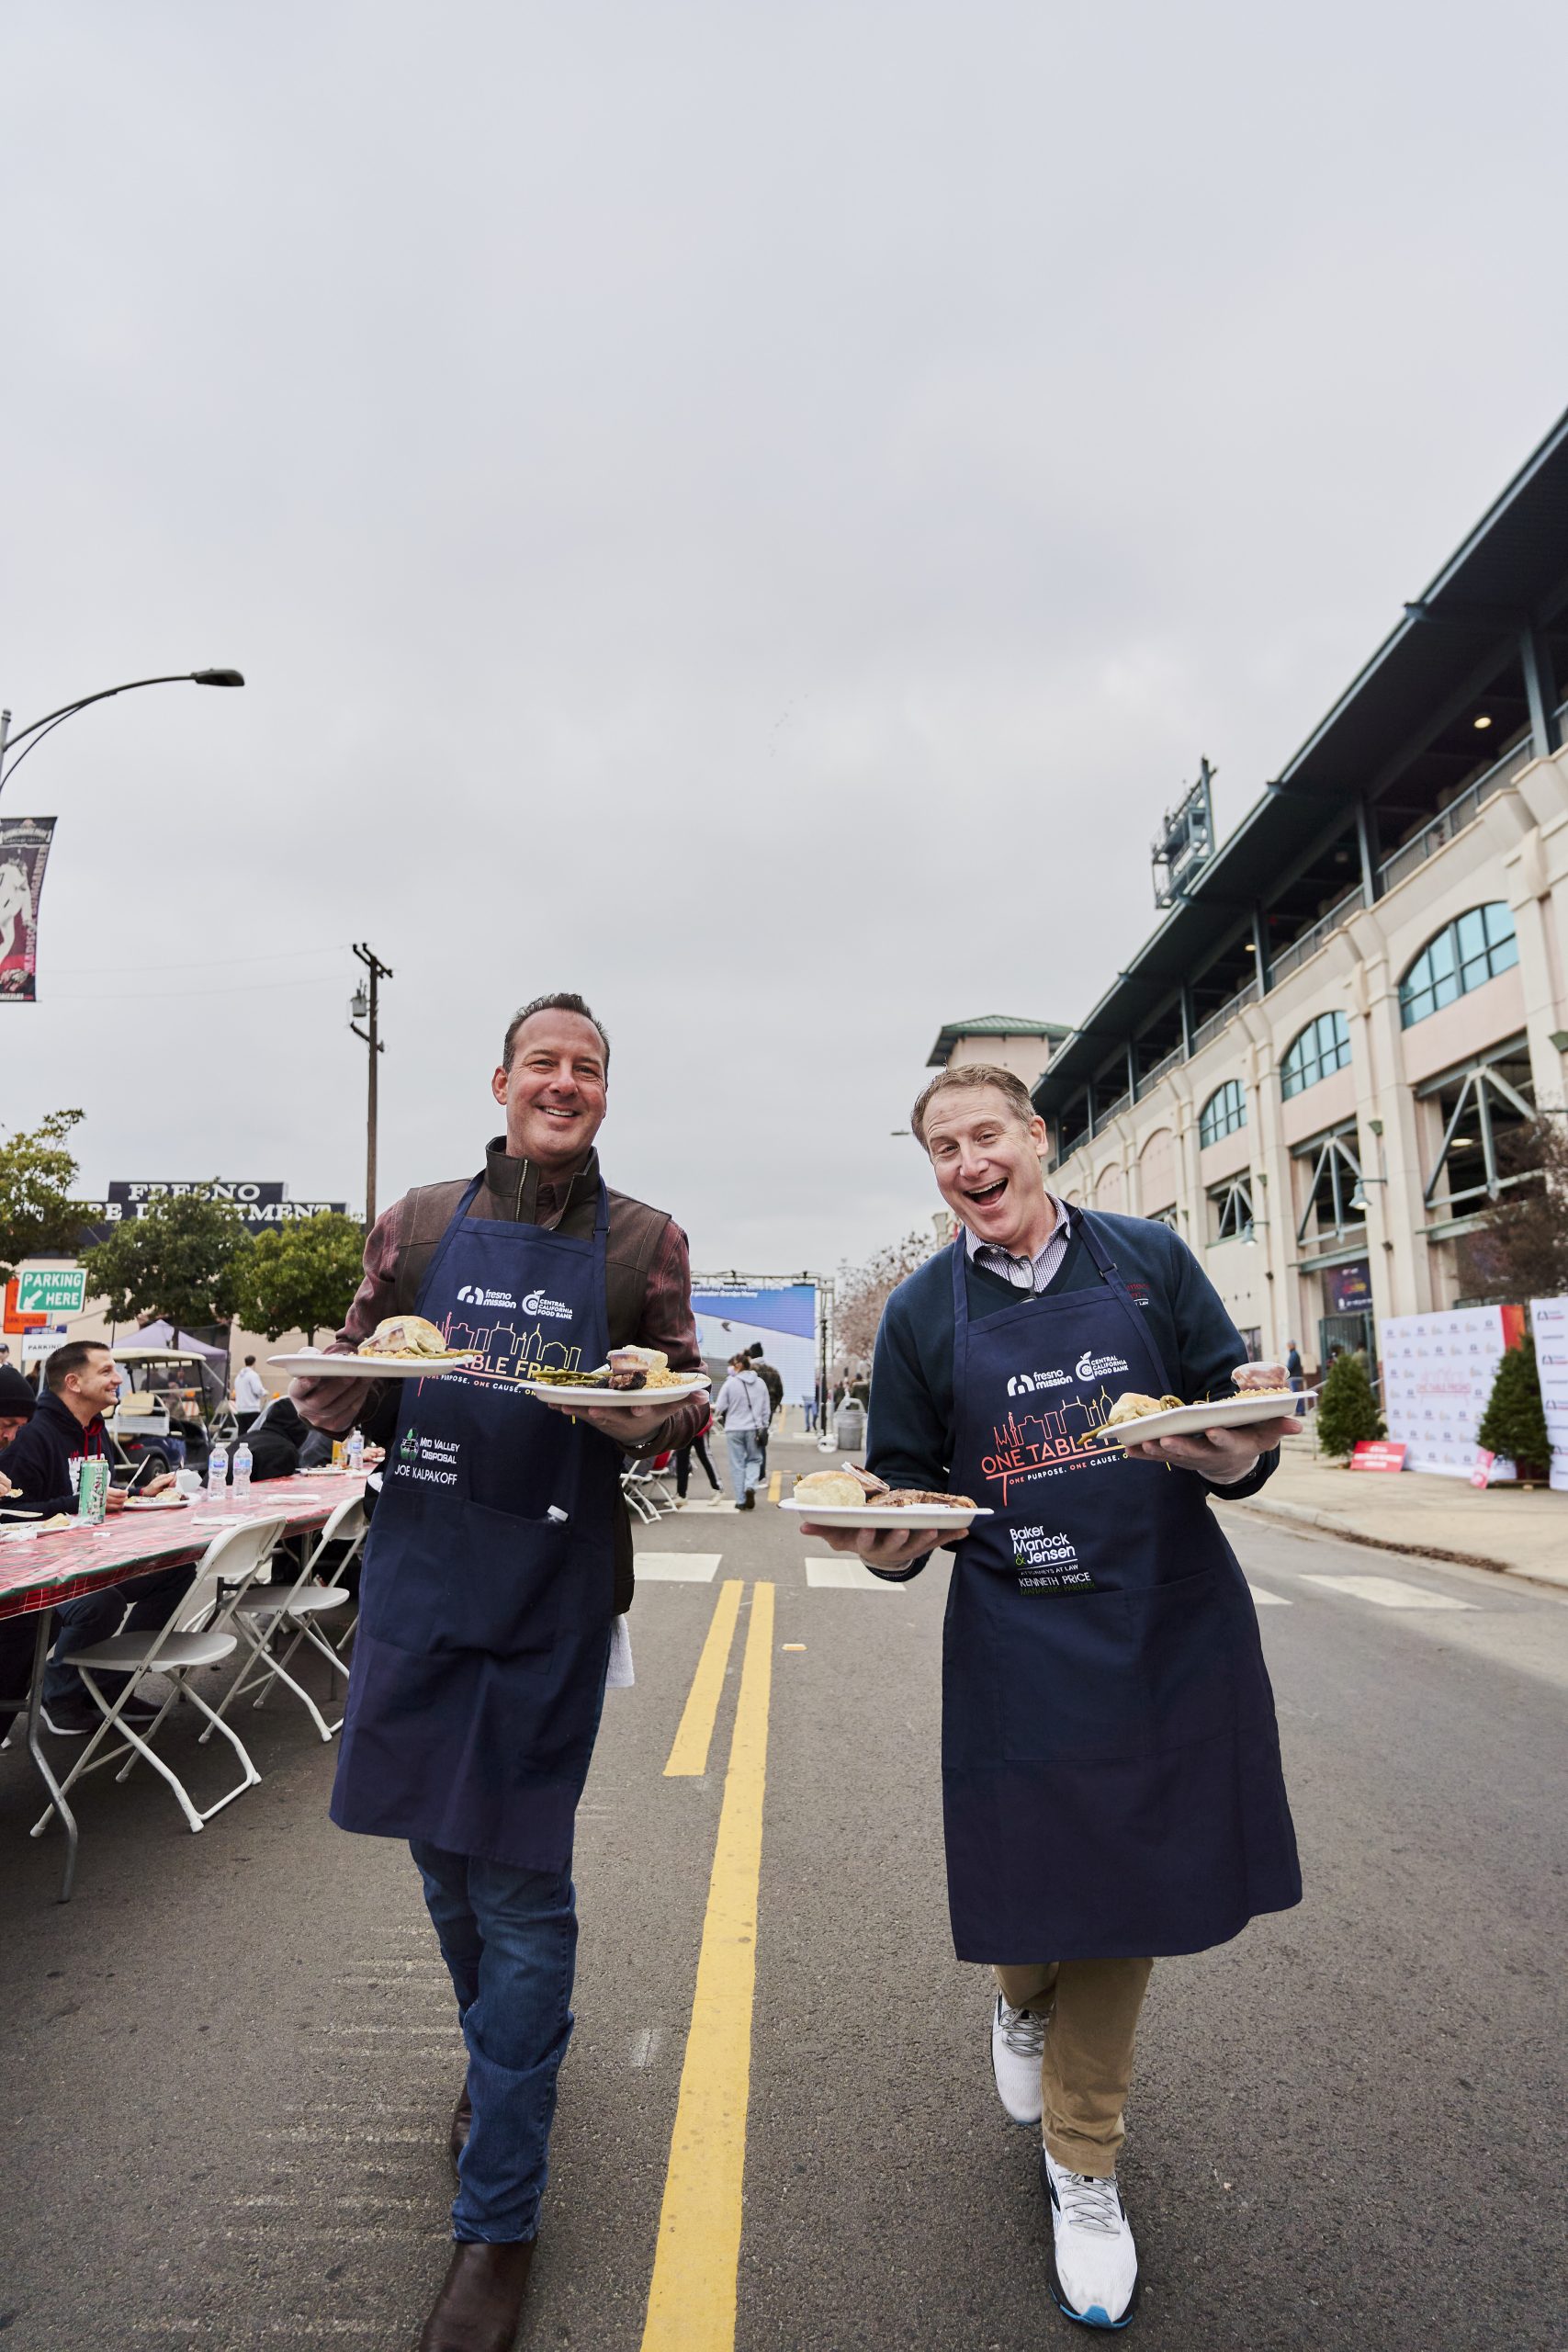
(462, 2123)
(479, 2306)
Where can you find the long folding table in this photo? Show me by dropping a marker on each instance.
(39, 1572)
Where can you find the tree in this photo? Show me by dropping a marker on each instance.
(181, 1260)
(1521, 1252)
(1514, 1423)
(38, 1217)
(1346, 1409)
(861, 1291)
(300, 1277)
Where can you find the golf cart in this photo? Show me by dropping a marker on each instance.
(174, 1410)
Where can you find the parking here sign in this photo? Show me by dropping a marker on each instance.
(51, 1290)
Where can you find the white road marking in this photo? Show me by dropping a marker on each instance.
(1388, 1592)
(845, 1574)
(1268, 1600)
(676, 1567)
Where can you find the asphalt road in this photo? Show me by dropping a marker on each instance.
(229, 2062)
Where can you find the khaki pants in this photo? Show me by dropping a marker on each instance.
(1091, 2007)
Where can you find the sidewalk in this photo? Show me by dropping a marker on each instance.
(1523, 1533)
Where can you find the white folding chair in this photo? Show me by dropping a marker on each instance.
(265, 1613)
(635, 1487)
(193, 1635)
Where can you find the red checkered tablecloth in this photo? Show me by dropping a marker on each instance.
(39, 1570)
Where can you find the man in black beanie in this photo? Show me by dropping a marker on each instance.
(17, 1404)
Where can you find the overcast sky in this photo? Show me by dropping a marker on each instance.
(750, 511)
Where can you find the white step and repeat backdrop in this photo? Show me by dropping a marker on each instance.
(1549, 1319)
(1437, 1376)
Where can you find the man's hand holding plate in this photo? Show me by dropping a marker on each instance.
(884, 1547)
(629, 1425)
(1225, 1454)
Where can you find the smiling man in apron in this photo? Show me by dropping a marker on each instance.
(1111, 1767)
(498, 1565)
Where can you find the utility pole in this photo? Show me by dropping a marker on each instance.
(365, 1007)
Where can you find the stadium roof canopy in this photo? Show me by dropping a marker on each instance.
(1493, 603)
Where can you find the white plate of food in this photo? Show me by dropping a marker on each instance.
(1135, 1419)
(307, 1365)
(636, 1376)
(402, 1347)
(159, 1502)
(853, 1498)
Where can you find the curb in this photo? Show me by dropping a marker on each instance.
(1304, 1515)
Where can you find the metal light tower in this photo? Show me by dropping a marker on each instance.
(365, 1007)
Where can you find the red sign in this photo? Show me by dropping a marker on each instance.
(1378, 1454)
(1482, 1473)
(15, 1322)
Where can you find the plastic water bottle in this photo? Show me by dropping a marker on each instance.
(242, 1471)
(217, 1474)
(354, 1452)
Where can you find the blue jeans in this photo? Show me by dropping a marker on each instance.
(93, 1616)
(745, 1460)
(509, 1937)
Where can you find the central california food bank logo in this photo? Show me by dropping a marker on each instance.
(1093, 1367)
(537, 1304)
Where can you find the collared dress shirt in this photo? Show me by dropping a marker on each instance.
(1025, 1273)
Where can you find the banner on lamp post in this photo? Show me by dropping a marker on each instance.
(24, 853)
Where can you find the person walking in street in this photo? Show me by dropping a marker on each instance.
(770, 1381)
(741, 1407)
(498, 1561)
(1110, 1765)
(683, 1453)
(1293, 1365)
(250, 1395)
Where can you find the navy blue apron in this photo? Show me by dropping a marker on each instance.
(487, 1588)
(1110, 1764)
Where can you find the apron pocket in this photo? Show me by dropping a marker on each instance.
(1186, 1634)
(1068, 1682)
(460, 1576)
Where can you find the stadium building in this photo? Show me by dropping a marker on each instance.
(1313, 1066)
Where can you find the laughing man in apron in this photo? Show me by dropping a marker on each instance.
(498, 1571)
(1110, 1767)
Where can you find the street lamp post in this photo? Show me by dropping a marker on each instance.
(40, 728)
(365, 1007)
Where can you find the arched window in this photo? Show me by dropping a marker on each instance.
(1461, 957)
(1224, 1111)
(1323, 1047)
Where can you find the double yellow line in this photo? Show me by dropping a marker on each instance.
(690, 2303)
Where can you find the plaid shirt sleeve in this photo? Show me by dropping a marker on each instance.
(667, 1323)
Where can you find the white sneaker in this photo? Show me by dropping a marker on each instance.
(1018, 2043)
(1094, 2264)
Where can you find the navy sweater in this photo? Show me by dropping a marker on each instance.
(910, 1435)
(38, 1457)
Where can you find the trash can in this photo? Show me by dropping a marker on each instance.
(848, 1427)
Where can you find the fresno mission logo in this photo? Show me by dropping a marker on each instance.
(537, 1303)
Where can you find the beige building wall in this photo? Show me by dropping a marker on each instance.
(1148, 1156)
(1025, 1057)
